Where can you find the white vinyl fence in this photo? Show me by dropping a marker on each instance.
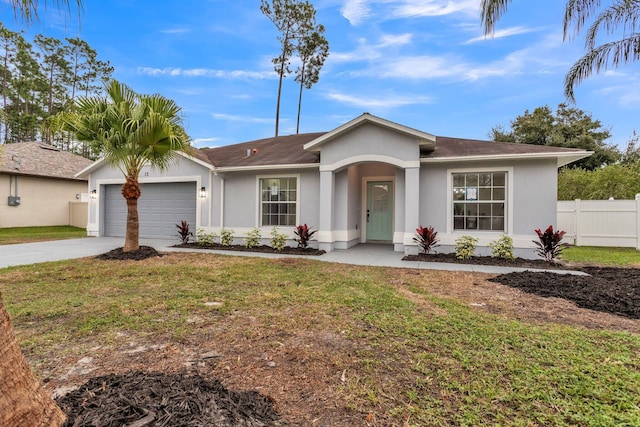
(601, 222)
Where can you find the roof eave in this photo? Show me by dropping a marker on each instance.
(562, 158)
(267, 167)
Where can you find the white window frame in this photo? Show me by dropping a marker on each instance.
(508, 208)
(259, 178)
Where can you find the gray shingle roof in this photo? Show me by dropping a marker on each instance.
(36, 159)
(282, 150)
(458, 147)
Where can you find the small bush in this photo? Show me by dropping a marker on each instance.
(549, 243)
(503, 248)
(304, 234)
(253, 238)
(205, 239)
(465, 247)
(183, 232)
(426, 238)
(278, 240)
(226, 237)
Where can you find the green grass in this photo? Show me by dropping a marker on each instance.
(405, 362)
(38, 234)
(603, 256)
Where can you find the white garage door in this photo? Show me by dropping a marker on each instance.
(160, 208)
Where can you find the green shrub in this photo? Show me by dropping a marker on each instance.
(205, 239)
(278, 240)
(465, 247)
(226, 237)
(253, 238)
(503, 248)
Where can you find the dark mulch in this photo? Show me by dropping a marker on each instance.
(140, 399)
(118, 254)
(607, 289)
(289, 250)
(485, 260)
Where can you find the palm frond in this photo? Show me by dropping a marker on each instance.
(576, 14)
(622, 14)
(490, 13)
(600, 58)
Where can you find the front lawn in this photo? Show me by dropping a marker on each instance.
(332, 344)
(602, 255)
(39, 234)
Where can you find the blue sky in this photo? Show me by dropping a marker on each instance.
(421, 63)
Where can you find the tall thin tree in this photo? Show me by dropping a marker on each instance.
(313, 50)
(293, 19)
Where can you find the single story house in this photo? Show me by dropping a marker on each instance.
(39, 187)
(369, 180)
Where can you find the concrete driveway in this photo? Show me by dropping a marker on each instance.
(32, 253)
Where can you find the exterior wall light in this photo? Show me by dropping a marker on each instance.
(94, 194)
(203, 192)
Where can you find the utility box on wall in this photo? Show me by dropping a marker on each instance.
(14, 201)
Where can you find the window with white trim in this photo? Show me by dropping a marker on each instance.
(479, 200)
(278, 201)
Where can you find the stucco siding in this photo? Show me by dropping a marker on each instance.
(535, 196)
(181, 169)
(370, 139)
(43, 201)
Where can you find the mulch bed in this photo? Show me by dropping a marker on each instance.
(289, 250)
(140, 399)
(607, 289)
(141, 254)
(485, 260)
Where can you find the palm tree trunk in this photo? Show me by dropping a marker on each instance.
(23, 401)
(131, 193)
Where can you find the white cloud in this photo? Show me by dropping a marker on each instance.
(204, 142)
(368, 52)
(389, 101)
(394, 40)
(498, 34)
(176, 31)
(246, 119)
(421, 67)
(355, 11)
(423, 8)
(206, 72)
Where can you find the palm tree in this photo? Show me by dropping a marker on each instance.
(619, 15)
(23, 401)
(130, 131)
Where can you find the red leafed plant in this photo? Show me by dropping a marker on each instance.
(426, 238)
(184, 232)
(549, 243)
(304, 234)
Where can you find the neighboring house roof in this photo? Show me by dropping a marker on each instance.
(41, 160)
(281, 150)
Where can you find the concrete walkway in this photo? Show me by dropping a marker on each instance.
(372, 255)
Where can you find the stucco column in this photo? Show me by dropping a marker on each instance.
(412, 207)
(327, 206)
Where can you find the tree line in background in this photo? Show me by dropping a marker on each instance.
(609, 172)
(41, 78)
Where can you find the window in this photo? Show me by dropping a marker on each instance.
(278, 201)
(479, 201)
